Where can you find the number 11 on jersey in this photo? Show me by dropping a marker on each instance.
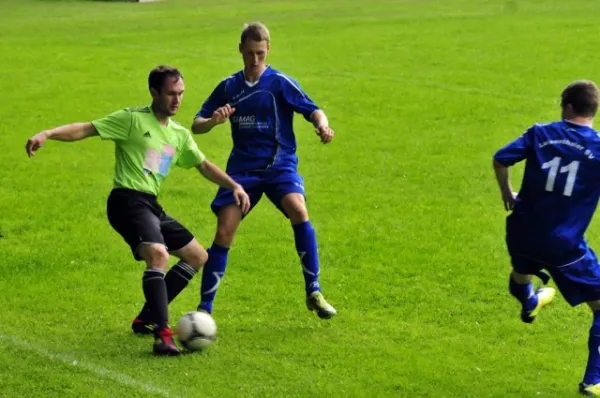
(554, 166)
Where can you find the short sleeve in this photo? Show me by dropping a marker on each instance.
(216, 100)
(190, 155)
(517, 150)
(296, 97)
(115, 127)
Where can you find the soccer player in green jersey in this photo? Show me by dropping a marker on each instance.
(147, 143)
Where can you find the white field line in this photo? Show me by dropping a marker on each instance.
(88, 366)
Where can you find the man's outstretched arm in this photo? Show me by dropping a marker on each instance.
(68, 132)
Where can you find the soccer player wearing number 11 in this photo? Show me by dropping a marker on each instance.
(550, 214)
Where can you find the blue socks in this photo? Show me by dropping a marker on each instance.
(306, 245)
(592, 370)
(214, 269)
(213, 272)
(523, 293)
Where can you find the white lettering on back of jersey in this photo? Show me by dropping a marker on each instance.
(572, 144)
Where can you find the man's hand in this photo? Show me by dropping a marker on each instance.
(325, 133)
(509, 197)
(35, 143)
(222, 114)
(212, 173)
(241, 199)
(503, 178)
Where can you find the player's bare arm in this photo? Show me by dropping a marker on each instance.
(214, 174)
(321, 124)
(503, 177)
(68, 132)
(202, 125)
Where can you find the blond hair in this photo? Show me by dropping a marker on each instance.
(255, 31)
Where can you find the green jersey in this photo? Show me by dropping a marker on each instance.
(145, 150)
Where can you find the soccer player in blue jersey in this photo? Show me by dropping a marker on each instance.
(550, 214)
(260, 102)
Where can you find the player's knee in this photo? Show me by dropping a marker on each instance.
(520, 278)
(197, 258)
(224, 236)
(295, 208)
(229, 219)
(156, 256)
(298, 214)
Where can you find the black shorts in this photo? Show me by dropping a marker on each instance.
(139, 219)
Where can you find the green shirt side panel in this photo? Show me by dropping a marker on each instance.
(188, 155)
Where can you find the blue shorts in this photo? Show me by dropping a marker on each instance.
(275, 184)
(578, 281)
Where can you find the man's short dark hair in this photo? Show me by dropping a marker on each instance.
(158, 76)
(582, 95)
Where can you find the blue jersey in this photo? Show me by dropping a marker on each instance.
(559, 192)
(262, 124)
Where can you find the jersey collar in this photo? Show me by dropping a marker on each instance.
(156, 119)
(268, 68)
(577, 124)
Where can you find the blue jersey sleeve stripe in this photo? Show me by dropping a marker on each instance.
(292, 83)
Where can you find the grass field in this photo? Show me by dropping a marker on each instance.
(409, 220)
